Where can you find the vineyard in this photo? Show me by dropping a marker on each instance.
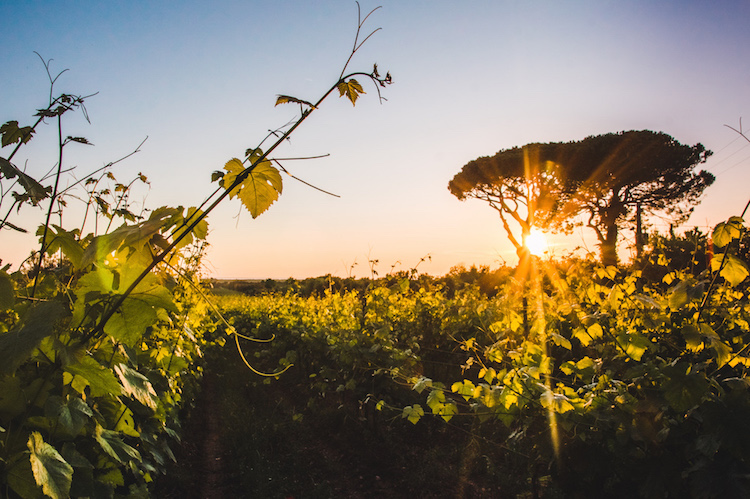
(126, 372)
(627, 383)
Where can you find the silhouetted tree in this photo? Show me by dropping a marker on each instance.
(607, 177)
(521, 184)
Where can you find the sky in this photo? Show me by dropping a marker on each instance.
(200, 80)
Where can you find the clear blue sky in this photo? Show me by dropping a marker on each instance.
(470, 78)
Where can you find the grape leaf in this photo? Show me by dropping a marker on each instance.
(12, 133)
(101, 381)
(18, 343)
(726, 231)
(7, 293)
(735, 270)
(556, 402)
(51, 471)
(351, 89)
(137, 386)
(286, 99)
(34, 190)
(259, 190)
(113, 445)
(413, 413)
(70, 414)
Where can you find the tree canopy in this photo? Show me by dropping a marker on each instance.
(521, 183)
(606, 177)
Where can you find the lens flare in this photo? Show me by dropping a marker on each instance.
(536, 242)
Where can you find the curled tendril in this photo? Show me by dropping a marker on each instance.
(249, 366)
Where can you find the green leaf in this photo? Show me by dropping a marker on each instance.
(20, 477)
(12, 399)
(286, 99)
(635, 345)
(70, 414)
(17, 344)
(466, 389)
(126, 423)
(35, 191)
(12, 133)
(137, 386)
(258, 190)
(693, 338)
(113, 445)
(101, 381)
(678, 296)
(684, 392)
(7, 293)
(351, 89)
(722, 350)
(424, 382)
(413, 413)
(58, 239)
(734, 270)
(561, 341)
(51, 471)
(727, 231)
(556, 402)
(435, 399)
(130, 321)
(200, 231)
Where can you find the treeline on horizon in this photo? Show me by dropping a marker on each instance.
(691, 250)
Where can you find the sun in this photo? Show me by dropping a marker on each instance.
(536, 242)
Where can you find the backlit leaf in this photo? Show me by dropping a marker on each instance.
(556, 402)
(725, 232)
(113, 445)
(258, 190)
(286, 99)
(17, 344)
(413, 413)
(137, 386)
(101, 381)
(351, 89)
(734, 270)
(7, 293)
(466, 389)
(51, 471)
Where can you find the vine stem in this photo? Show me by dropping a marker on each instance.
(188, 225)
(43, 248)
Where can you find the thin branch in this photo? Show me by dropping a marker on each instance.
(304, 182)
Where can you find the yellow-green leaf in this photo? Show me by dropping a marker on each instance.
(258, 190)
(351, 89)
(51, 471)
(556, 402)
(413, 413)
(725, 232)
(734, 270)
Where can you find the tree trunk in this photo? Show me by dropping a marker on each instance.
(609, 246)
(611, 215)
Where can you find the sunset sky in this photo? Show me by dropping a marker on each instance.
(470, 78)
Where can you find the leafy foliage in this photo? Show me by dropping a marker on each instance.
(102, 335)
(604, 381)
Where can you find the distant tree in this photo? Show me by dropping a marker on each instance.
(608, 177)
(521, 184)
